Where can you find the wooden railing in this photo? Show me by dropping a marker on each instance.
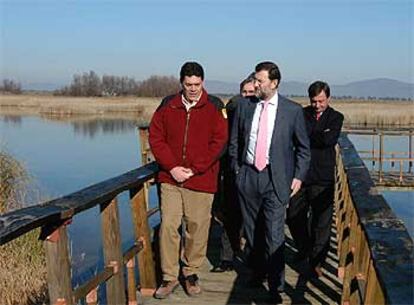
(375, 251)
(374, 248)
(54, 216)
(381, 155)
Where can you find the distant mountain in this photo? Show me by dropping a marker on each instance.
(219, 87)
(293, 88)
(379, 88)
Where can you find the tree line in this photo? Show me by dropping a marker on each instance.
(10, 86)
(90, 84)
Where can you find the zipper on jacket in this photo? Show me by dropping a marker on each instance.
(186, 134)
(187, 121)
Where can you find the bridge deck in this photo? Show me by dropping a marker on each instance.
(232, 288)
(392, 179)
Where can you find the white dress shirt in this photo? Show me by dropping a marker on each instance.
(188, 104)
(271, 119)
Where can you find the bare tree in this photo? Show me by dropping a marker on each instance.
(158, 86)
(90, 84)
(10, 86)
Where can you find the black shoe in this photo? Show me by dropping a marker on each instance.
(256, 281)
(275, 298)
(315, 272)
(224, 266)
(300, 257)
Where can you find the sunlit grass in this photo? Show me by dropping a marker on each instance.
(357, 112)
(22, 261)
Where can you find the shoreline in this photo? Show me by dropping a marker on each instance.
(356, 112)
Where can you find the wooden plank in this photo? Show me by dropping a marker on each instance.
(133, 251)
(111, 239)
(389, 242)
(16, 223)
(230, 288)
(82, 291)
(142, 232)
(58, 266)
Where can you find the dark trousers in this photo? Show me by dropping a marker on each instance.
(263, 222)
(309, 218)
(228, 213)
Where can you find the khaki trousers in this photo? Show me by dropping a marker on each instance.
(194, 208)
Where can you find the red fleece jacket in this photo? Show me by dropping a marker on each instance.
(195, 139)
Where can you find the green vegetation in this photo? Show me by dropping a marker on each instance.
(22, 261)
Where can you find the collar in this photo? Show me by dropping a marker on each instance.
(273, 101)
(178, 101)
(187, 103)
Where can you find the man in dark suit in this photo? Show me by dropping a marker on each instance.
(269, 152)
(313, 205)
(228, 212)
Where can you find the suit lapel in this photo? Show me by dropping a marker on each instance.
(279, 121)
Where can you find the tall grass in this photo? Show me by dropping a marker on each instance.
(373, 113)
(356, 112)
(22, 261)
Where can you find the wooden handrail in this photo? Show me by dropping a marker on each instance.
(374, 248)
(53, 217)
(16, 223)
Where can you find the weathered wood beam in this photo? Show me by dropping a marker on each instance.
(111, 239)
(16, 223)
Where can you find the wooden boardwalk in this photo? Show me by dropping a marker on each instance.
(231, 287)
(393, 179)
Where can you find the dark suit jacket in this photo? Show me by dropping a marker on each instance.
(323, 135)
(289, 153)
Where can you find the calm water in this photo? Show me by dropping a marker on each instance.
(402, 202)
(64, 157)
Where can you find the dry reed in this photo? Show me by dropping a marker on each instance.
(357, 112)
(373, 113)
(22, 261)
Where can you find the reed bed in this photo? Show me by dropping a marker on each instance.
(373, 113)
(357, 112)
(47, 105)
(22, 261)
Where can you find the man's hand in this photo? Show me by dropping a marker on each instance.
(295, 187)
(180, 174)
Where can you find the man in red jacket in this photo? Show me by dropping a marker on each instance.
(187, 135)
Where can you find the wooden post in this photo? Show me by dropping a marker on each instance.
(146, 157)
(373, 294)
(132, 287)
(410, 151)
(351, 263)
(343, 264)
(92, 297)
(115, 286)
(58, 266)
(381, 155)
(373, 152)
(142, 231)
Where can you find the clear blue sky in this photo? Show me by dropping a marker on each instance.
(335, 40)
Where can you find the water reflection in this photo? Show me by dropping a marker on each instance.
(88, 126)
(94, 127)
(15, 120)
